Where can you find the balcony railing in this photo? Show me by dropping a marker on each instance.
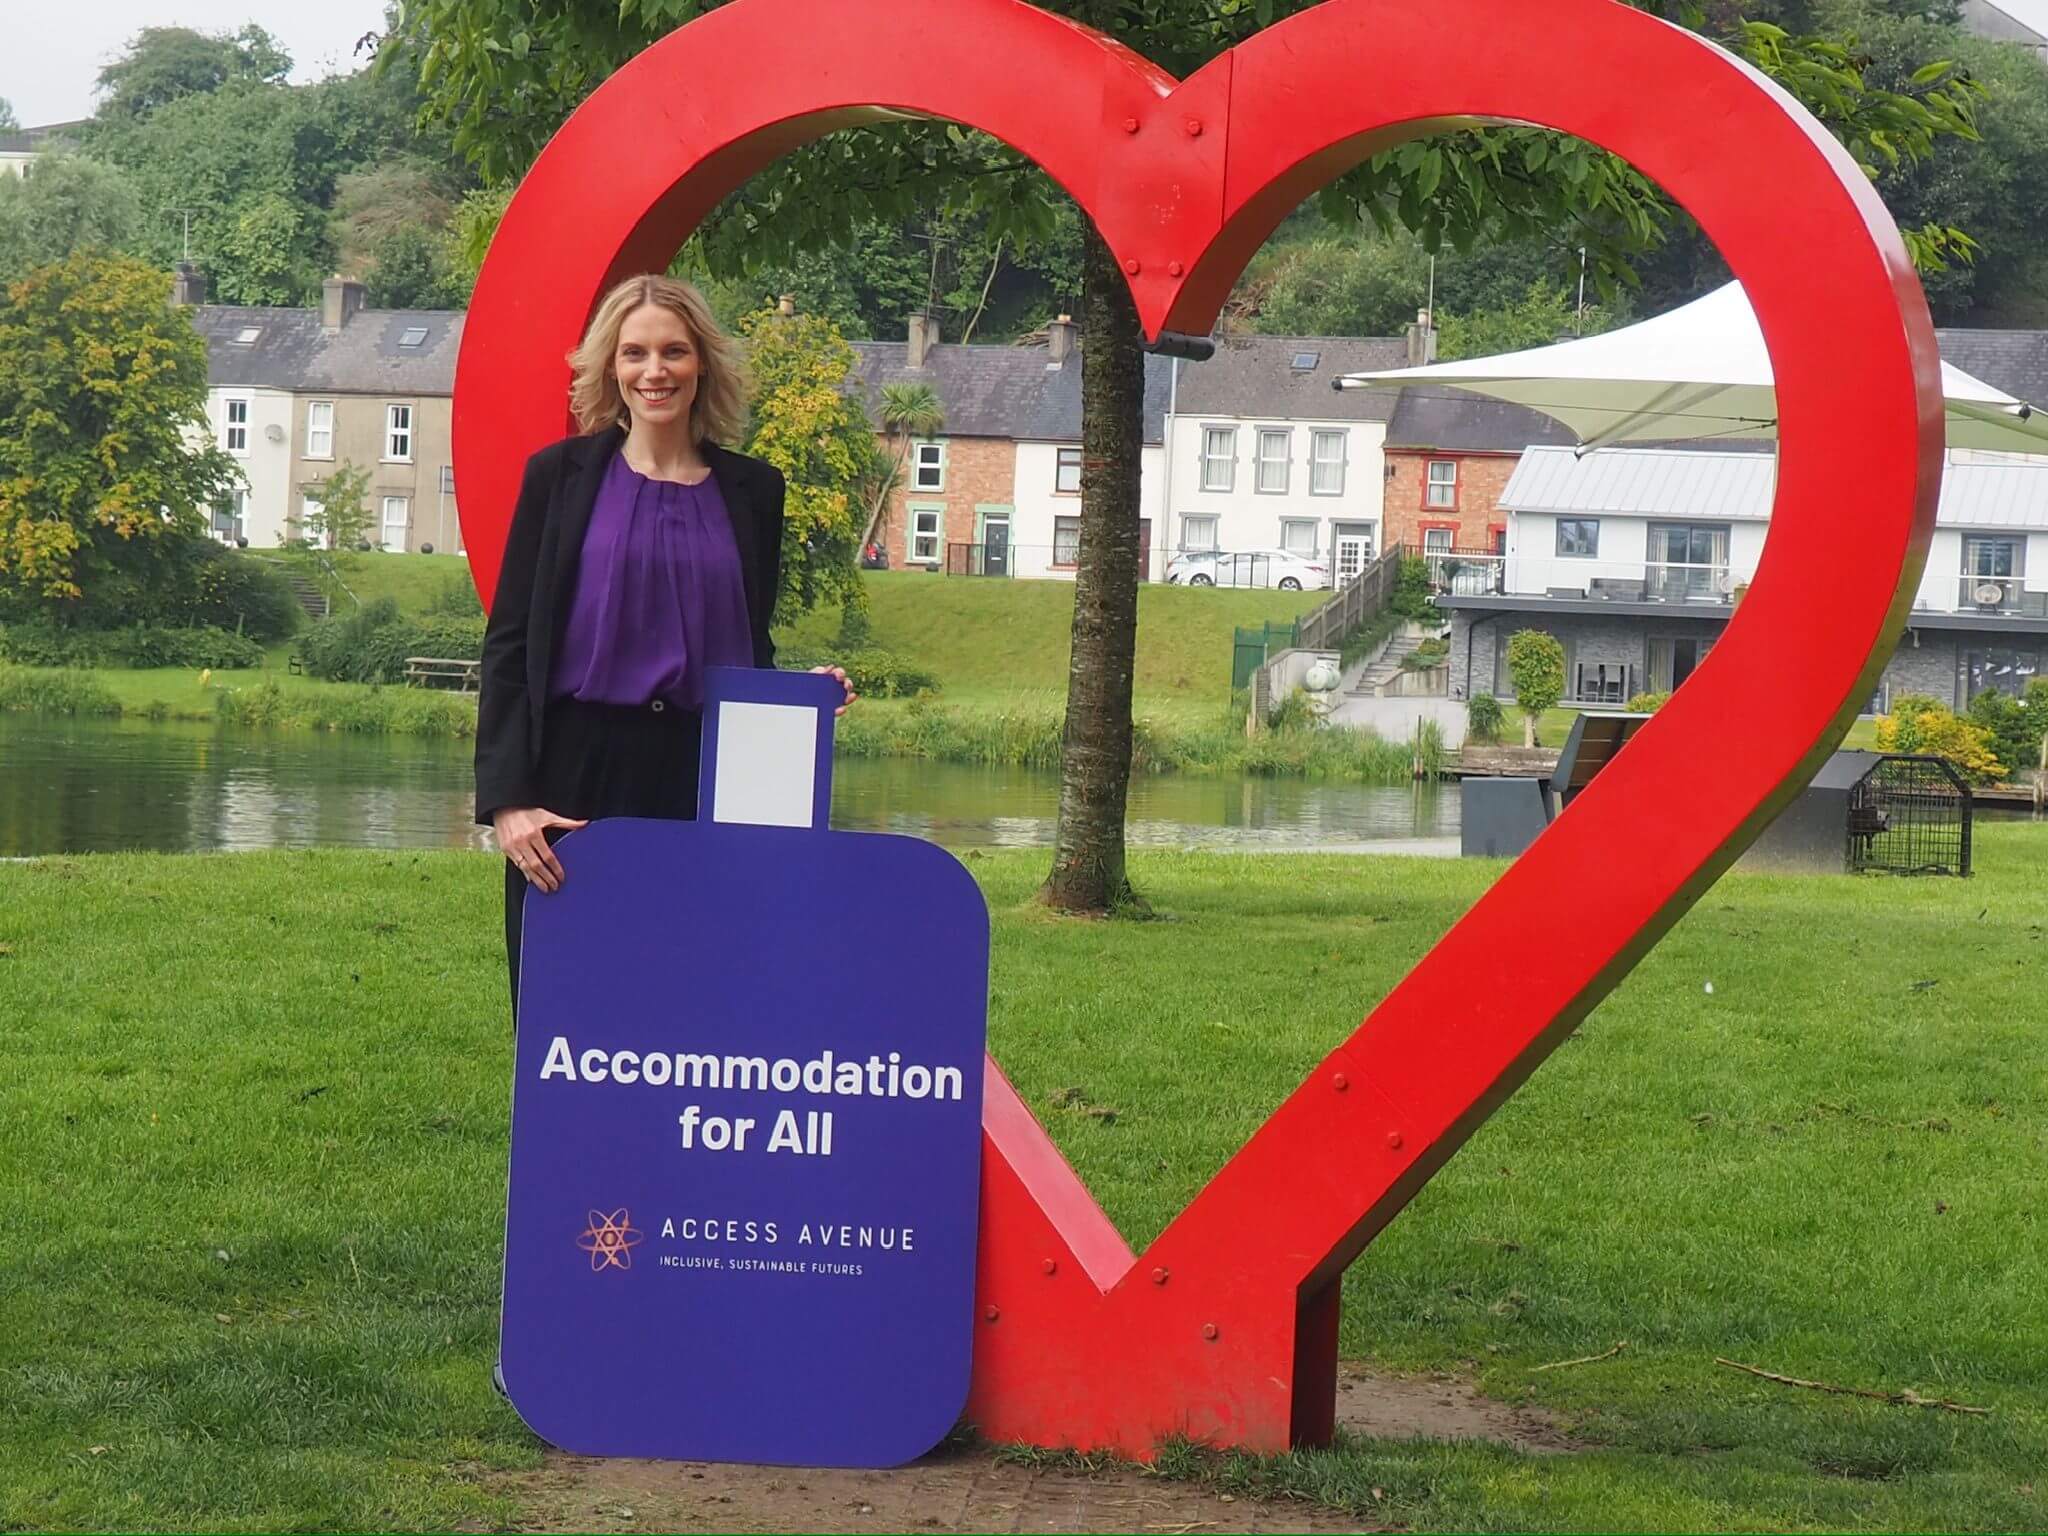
(1999, 594)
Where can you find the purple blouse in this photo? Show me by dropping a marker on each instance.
(659, 595)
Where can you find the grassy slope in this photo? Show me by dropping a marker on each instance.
(257, 1169)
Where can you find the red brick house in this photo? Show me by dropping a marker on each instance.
(1449, 456)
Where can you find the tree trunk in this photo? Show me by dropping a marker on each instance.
(1095, 747)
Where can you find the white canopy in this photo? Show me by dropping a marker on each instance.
(1700, 371)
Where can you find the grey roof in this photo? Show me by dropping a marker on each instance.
(999, 391)
(2014, 361)
(363, 358)
(1455, 420)
(1666, 482)
(1652, 482)
(1251, 377)
(28, 140)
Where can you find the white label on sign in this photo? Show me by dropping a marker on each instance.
(767, 764)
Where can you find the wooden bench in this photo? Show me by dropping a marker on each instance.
(443, 672)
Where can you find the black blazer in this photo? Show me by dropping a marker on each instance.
(538, 580)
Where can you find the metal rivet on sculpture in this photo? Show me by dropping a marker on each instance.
(1225, 1328)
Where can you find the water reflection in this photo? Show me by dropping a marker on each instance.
(69, 786)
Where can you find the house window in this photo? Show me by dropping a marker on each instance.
(1688, 560)
(1198, 532)
(1271, 478)
(1066, 542)
(1066, 474)
(1298, 537)
(1991, 571)
(1999, 671)
(928, 473)
(1437, 541)
(447, 479)
(413, 336)
(230, 522)
(320, 429)
(1326, 463)
(1219, 458)
(234, 432)
(397, 515)
(925, 534)
(1443, 483)
(398, 434)
(1578, 538)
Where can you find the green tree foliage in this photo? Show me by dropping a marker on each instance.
(391, 224)
(1545, 313)
(2016, 725)
(102, 396)
(326, 544)
(1536, 668)
(9, 123)
(805, 424)
(166, 64)
(63, 203)
(1921, 723)
(908, 412)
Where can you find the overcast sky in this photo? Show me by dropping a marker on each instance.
(54, 51)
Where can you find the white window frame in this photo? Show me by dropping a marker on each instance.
(1295, 525)
(1319, 463)
(1215, 531)
(315, 433)
(1064, 459)
(1433, 483)
(1263, 460)
(1224, 460)
(935, 465)
(1073, 547)
(234, 435)
(1438, 540)
(398, 432)
(404, 505)
(936, 534)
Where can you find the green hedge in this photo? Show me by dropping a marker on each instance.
(370, 645)
(874, 673)
(141, 645)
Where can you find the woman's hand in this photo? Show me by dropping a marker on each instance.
(522, 836)
(840, 673)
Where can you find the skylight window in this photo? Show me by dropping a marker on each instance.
(1304, 361)
(247, 335)
(414, 336)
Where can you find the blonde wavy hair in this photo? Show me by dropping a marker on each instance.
(719, 412)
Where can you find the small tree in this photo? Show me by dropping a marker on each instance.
(325, 541)
(102, 404)
(909, 411)
(1921, 724)
(807, 426)
(1536, 667)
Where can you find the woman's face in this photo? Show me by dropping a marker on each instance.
(656, 364)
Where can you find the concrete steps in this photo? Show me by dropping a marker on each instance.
(1375, 675)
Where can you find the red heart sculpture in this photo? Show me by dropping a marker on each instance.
(1225, 1329)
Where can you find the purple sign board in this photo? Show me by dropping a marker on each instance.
(746, 1121)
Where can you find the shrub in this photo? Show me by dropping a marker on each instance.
(1294, 713)
(1433, 652)
(2016, 725)
(1648, 703)
(1483, 717)
(238, 592)
(1411, 591)
(140, 645)
(1926, 726)
(382, 659)
(456, 598)
(334, 647)
(874, 673)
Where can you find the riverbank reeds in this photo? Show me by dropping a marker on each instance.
(365, 710)
(55, 691)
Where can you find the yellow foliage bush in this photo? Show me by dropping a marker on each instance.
(1941, 733)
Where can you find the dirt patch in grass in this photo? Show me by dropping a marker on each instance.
(962, 1488)
(1440, 1408)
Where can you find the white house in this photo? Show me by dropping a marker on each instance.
(1262, 453)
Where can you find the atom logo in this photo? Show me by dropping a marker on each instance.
(609, 1240)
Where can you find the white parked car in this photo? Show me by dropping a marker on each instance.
(1247, 568)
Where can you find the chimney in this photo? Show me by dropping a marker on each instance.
(188, 285)
(786, 305)
(340, 302)
(1421, 340)
(1059, 340)
(924, 336)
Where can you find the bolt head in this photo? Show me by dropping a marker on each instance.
(993, 1313)
(1130, 125)
(1051, 1266)
(1394, 1140)
(1175, 268)
(1340, 1082)
(1194, 127)
(1159, 1276)
(1131, 266)
(1209, 1331)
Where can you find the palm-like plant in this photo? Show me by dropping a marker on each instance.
(909, 411)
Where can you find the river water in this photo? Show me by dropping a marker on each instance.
(82, 786)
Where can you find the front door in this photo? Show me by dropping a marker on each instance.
(1354, 550)
(995, 547)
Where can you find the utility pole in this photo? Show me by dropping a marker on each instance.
(187, 215)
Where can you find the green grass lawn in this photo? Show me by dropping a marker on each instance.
(254, 1116)
(415, 580)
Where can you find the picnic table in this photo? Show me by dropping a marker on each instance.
(443, 672)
